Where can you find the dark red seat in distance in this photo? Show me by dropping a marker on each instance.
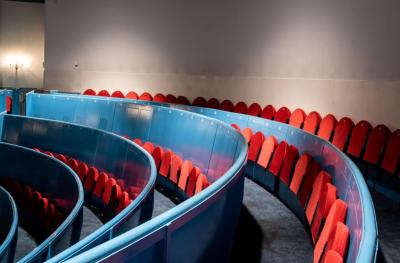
(268, 112)
(199, 102)
(89, 92)
(159, 98)
(358, 138)
(182, 100)
(326, 127)
(240, 107)
(254, 110)
(212, 103)
(376, 144)
(170, 98)
(103, 93)
(118, 94)
(146, 96)
(226, 105)
(297, 118)
(282, 115)
(342, 133)
(391, 157)
(132, 95)
(312, 122)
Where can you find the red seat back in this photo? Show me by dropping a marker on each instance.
(199, 102)
(282, 115)
(297, 118)
(319, 182)
(182, 100)
(278, 157)
(247, 133)
(159, 98)
(89, 92)
(300, 171)
(187, 167)
(176, 167)
(391, 157)
(192, 180)
(157, 154)
(132, 95)
(212, 103)
(266, 152)
(254, 110)
(170, 98)
(118, 94)
(358, 138)
(342, 133)
(165, 164)
(256, 142)
(226, 105)
(376, 144)
(312, 122)
(103, 93)
(288, 164)
(240, 107)
(268, 112)
(146, 96)
(326, 127)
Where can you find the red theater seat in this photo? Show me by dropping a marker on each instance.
(8, 104)
(278, 157)
(100, 184)
(192, 180)
(300, 171)
(123, 201)
(254, 110)
(339, 239)
(170, 98)
(199, 102)
(240, 107)
(182, 100)
(312, 122)
(247, 133)
(187, 167)
(138, 141)
(342, 133)
(268, 112)
(297, 118)
(157, 154)
(103, 93)
(333, 257)
(226, 105)
(146, 96)
(91, 179)
(305, 190)
(282, 115)
(255, 144)
(62, 158)
(376, 144)
(111, 182)
(267, 149)
(212, 103)
(118, 94)
(159, 98)
(337, 213)
(165, 164)
(82, 171)
(321, 180)
(148, 146)
(202, 183)
(176, 168)
(89, 92)
(73, 164)
(132, 95)
(288, 164)
(326, 127)
(390, 162)
(358, 138)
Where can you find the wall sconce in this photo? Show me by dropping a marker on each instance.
(16, 61)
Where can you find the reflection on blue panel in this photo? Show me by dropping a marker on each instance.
(8, 226)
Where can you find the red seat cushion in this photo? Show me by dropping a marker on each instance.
(192, 180)
(132, 95)
(91, 179)
(212, 103)
(187, 167)
(254, 110)
(300, 171)
(146, 96)
(320, 181)
(100, 184)
(199, 102)
(375, 144)
(170, 98)
(297, 118)
(312, 122)
(326, 127)
(89, 92)
(82, 171)
(358, 138)
(278, 157)
(103, 93)
(118, 94)
(73, 164)
(342, 133)
(288, 164)
(247, 133)
(240, 107)
(111, 182)
(391, 156)
(159, 98)
(165, 164)
(182, 100)
(226, 105)
(256, 142)
(282, 115)
(123, 201)
(267, 149)
(201, 183)
(176, 166)
(157, 154)
(268, 112)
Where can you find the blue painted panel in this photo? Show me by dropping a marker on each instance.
(8, 226)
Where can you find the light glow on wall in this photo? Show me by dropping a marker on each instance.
(16, 60)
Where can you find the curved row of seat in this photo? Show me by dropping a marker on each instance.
(371, 146)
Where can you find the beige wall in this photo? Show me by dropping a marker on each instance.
(22, 33)
(339, 57)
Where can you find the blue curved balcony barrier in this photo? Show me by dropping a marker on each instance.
(8, 226)
(52, 179)
(104, 150)
(116, 114)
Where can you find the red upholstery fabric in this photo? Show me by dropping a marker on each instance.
(187, 167)
(256, 142)
(288, 164)
(159, 97)
(182, 100)
(170, 98)
(247, 133)
(268, 112)
(226, 105)
(342, 133)
(358, 138)
(321, 180)
(300, 171)
(240, 107)
(312, 122)
(254, 110)
(118, 94)
(391, 156)
(132, 95)
(375, 144)
(278, 157)
(199, 102)
(146, 96)
(212, 103)
(103, 93)
(267, 149)
(282, 115)
(297, 118)
(89, 92)
(326, 127)
(336, 214)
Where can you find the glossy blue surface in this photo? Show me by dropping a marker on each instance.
(51, 178)
(8, 226)
(104, 150)
(347, 178)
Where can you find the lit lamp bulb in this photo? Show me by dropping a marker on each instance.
(16, 61)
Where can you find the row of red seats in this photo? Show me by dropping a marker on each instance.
(184, 174)
(38, 213)
(376, 146)
(100, 183)
(313, 187)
